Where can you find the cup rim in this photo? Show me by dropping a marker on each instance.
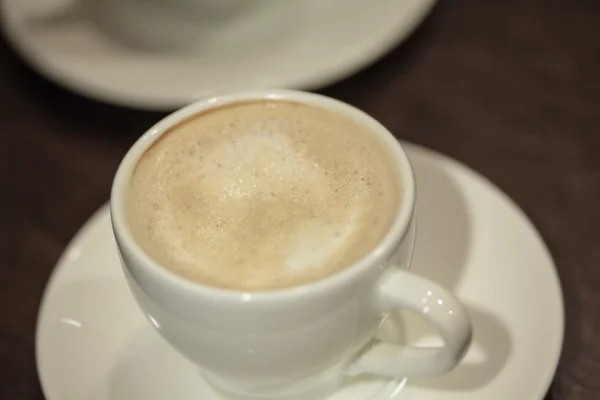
(376, 257)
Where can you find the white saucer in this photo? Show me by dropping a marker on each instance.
(329, 40)
(94, 344)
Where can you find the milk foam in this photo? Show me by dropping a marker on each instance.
(262, 195)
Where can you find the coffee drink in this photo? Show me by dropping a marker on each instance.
(262, 195)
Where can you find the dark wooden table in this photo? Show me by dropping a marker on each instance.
(509, 87)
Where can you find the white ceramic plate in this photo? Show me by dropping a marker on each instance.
(328, 40)
(94, 344)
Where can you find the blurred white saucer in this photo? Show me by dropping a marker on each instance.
(323, 42)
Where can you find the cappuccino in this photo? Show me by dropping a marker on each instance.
(262, 195)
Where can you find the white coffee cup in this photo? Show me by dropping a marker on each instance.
(214, 26)
(295, 343)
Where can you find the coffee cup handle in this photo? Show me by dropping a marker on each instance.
(400, 289)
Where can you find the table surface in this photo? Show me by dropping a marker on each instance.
(510, 88)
